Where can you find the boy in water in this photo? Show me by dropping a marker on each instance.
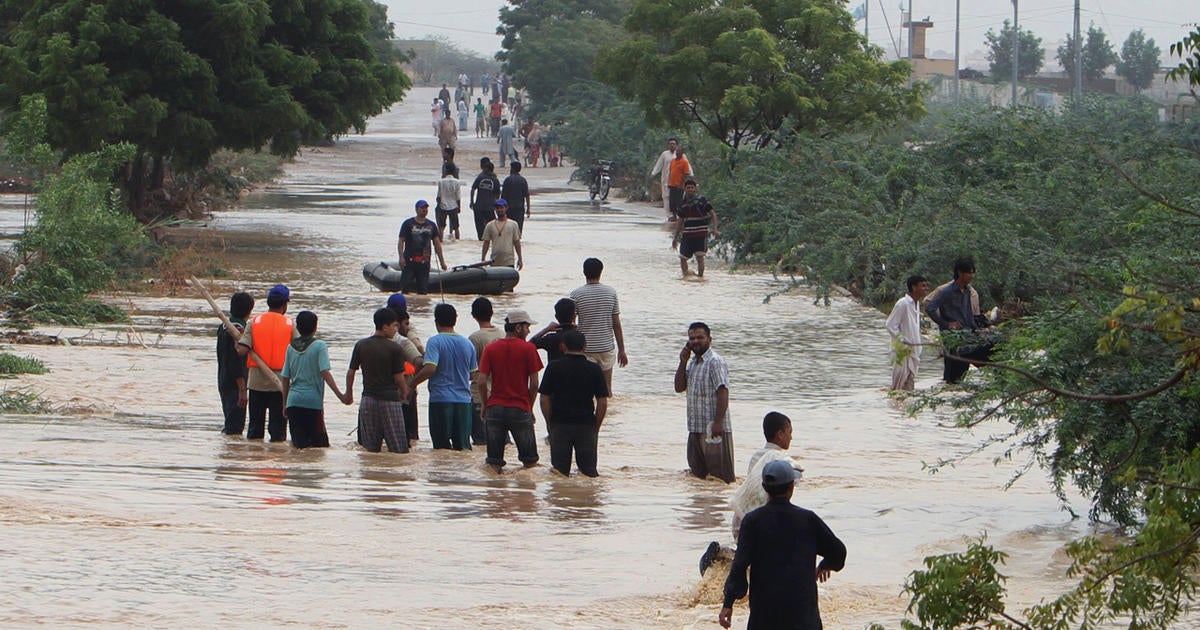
(304, 377)
(231, 367)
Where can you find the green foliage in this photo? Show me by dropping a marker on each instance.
(1097, 53)
(22, 401)
(551, 44)
(25, 145)
(1139, 60)
(593, 123)
(754, 72)
(1188, 51)
(440, 60)
(958, 589)
(180, 80)
(13, 364)
(1000, 55)
(1146, 581)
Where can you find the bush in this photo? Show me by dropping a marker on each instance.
(13, 364)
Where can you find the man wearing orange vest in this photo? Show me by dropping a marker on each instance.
(268, 334)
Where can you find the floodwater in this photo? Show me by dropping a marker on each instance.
(129, 507)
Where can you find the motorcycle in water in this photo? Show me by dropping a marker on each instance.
(601, 179)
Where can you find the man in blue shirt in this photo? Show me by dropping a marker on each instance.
(449, 361)
(781, 543)
(955, 307)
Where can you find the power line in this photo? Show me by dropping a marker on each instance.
(446, 28)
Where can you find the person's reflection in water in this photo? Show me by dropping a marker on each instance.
(577, 500)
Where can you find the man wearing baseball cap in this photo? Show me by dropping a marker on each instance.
(268, 335)
(503, 237)
(513, 364)
(419, 239)
(781, 542)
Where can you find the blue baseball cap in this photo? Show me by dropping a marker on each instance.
(778, 473)
(397, 301)
(500, 203)
(421, 203)
(279, 291)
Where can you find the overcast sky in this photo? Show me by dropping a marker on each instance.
(472, 23)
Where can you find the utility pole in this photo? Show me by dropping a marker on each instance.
(911, 30)
(956, 57)
(1078, 46)
(1016, 53)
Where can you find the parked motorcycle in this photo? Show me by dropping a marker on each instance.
(601, 179)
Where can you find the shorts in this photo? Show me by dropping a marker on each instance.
(606, 360)
(693, 246)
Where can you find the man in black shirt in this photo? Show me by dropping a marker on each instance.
(516, 192)
(782, 542)
(574, 401)
(484, 192)
(231, 366)
(550, 337)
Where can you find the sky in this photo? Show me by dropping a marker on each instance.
(472, 23)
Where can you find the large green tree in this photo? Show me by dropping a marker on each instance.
(1000, 53)
(1097, 54)
(1139, 60)
(551, 44)
(180, 80)
(755, 71)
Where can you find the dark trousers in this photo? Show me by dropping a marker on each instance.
(482, 216)
(674, 199)
(954, 369)
(235, 416)
(478, 429)
(500, 422)
(450, 425)
(518, 215)
(260, 404)
(444, 216)
(706, 459)
(582, 438)
(411, 418)
(415, 276)
(308, 427)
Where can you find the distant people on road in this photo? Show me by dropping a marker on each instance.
(444, 97)
(599, 317)
(484, 192)
(904, 325)
(506, 138)
(697, 219)
(447, 132)
(681, 170)
(662, 168)
(480, 118)
(496, 113)
(435, 111)
(704, 376)
(463, 111)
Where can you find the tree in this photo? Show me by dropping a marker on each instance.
(180, 80)
(551, 44)
(1139, 60)
(1188, 51)
(1097, 53)
(755, 71)
(1000, 53)
(440, 60)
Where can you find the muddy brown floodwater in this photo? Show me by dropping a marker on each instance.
(127, 506)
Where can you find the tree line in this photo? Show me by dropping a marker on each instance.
(1137, 62)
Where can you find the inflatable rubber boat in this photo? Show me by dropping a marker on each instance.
(477, 279)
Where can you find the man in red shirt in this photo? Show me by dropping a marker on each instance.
(513, 364)
(681, 170)
(496, 112)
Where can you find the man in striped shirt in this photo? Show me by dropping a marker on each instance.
(599, 319)
(691, 233)
(705, 378)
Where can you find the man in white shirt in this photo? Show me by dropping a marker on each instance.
(663, 167)
(904, 324)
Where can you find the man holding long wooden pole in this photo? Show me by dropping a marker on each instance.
(267, 335)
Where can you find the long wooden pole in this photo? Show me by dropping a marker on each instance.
(237, 336)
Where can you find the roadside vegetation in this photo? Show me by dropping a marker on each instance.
(1083, 224)
(11, 364)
